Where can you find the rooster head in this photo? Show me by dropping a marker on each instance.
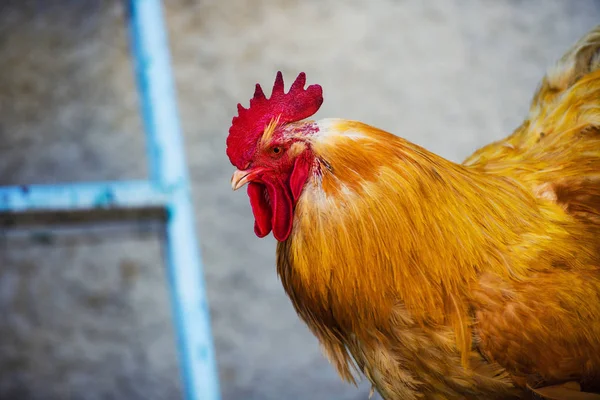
(269, 146)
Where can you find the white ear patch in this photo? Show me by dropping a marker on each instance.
(296, 148)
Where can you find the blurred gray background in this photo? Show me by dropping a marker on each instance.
(87, 316)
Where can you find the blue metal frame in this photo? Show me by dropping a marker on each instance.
(168, 187)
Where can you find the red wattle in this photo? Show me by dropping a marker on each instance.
(273, 200)
(276, 216)
(260, 208)
(283, 216)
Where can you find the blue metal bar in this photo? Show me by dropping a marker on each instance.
(168, 169)
(82, 196)
(169, 188)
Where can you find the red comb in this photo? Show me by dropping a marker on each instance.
(249, 124)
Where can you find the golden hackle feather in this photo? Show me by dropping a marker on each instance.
(559, 137)
(386, 228)
(556, 151)
(404, 264)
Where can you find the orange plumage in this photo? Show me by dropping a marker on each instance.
(437, 280)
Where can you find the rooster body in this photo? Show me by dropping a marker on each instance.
(401, 305)
(433, 279)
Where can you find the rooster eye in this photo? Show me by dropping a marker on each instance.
(276, 150)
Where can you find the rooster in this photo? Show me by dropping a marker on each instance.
(438, 280)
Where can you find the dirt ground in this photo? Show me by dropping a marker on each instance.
(86, 316)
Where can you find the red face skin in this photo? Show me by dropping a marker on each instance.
(277, 173)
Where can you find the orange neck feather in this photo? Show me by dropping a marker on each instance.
(386, 223)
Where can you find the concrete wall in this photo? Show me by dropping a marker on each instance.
(87, 316)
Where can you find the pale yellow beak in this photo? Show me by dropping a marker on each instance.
(239, 179)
